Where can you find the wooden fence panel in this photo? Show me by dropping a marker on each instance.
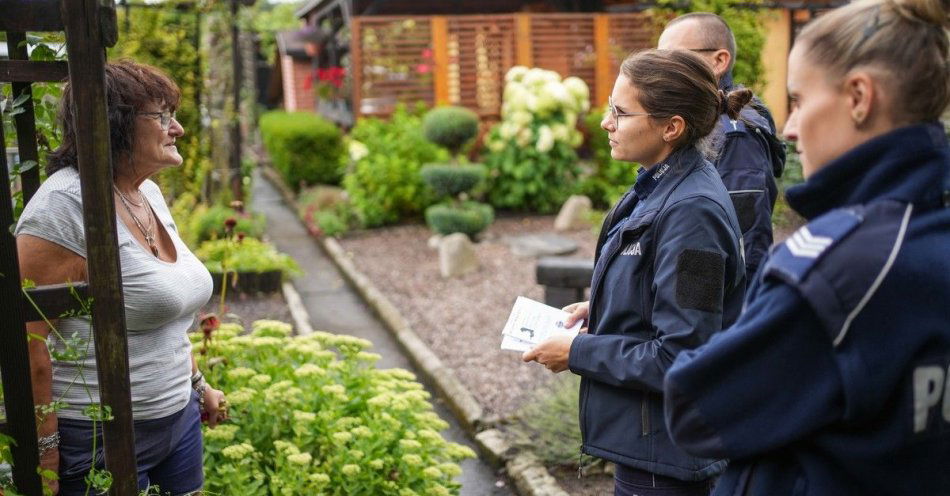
(564, 43)
(481, 50)
(396, 58)
(397, 63)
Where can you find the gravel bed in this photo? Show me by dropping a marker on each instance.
(245, 309)
(589, 485)
(461, 319)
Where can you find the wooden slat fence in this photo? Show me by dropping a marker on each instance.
(462, 60)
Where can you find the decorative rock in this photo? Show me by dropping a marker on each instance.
(540, 245)
(573, 214)
(456, 255)
(434, 241)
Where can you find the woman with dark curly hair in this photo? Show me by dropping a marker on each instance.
(164, 285)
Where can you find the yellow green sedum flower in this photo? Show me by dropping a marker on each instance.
(224, 433)
(241, 373)
(237, 451)
(300, 459)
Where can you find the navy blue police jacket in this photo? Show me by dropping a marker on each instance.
(836, 378)
(749, 157)
(668, 277)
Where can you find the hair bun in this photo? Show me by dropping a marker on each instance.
(735, 101)
(935, 12)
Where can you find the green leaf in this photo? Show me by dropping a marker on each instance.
(27, 165)
(20, 100)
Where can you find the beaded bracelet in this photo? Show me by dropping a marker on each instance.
(199, 386)
(48, 443)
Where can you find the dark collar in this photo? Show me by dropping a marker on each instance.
(909, 164)
(725, 82)
(676, 164)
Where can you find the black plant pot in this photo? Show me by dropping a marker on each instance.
(249, 282)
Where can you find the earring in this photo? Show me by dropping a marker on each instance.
(858, 117)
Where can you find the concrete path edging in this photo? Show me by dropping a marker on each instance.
(531, 478)
(298, 312)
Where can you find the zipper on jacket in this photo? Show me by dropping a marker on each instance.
(645, 414)
(748, 482)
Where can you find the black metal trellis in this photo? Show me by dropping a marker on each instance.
(90, 27)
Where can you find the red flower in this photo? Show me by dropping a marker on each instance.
(423, 68)
(208, 323)
(229, 224)
(240, 236)
(427, 53)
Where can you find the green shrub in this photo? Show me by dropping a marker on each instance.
(245, 255)
(469, 218)
(450, 180)
(608, 179)
(450, 127)
(313, 416)
(207, 223)
(330, 222)
(305, 148)
(384, 185)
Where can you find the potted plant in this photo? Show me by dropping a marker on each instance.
(249, 265)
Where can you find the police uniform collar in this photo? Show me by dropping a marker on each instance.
(908, 164)
(676, 163)
(725, 82)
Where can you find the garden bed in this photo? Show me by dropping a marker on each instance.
(246, 308)
(461, 319)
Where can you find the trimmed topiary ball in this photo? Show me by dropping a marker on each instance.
(451, 127)
(469, 218)
(450, 180)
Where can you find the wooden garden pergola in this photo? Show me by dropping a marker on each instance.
(90, 27)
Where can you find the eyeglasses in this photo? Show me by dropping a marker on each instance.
(704, 49)
(617, 115)
(164, 118)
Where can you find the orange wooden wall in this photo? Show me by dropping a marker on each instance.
(462, 60)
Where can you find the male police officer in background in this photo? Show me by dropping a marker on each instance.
(749, 156)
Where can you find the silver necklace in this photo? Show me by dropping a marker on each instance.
(147, 232)
(129, 200)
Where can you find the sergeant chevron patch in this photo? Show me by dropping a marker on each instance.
(792, 260)
(804, 244)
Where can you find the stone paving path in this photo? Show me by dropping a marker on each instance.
(335, 307)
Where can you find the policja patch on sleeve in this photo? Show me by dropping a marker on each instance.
(699, 280)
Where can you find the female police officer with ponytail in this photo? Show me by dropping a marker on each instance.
(668, 273)
(836, 377)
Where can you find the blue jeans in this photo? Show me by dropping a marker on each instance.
(168, 452)
(629, 481)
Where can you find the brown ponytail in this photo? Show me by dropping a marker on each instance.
(735, 101)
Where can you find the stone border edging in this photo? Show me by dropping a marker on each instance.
(298, 311)
(531, 478)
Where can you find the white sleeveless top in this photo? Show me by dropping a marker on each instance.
(161, 299)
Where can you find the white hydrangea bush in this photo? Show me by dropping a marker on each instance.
(531, 151)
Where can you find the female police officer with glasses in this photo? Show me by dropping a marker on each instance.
(668, 272)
